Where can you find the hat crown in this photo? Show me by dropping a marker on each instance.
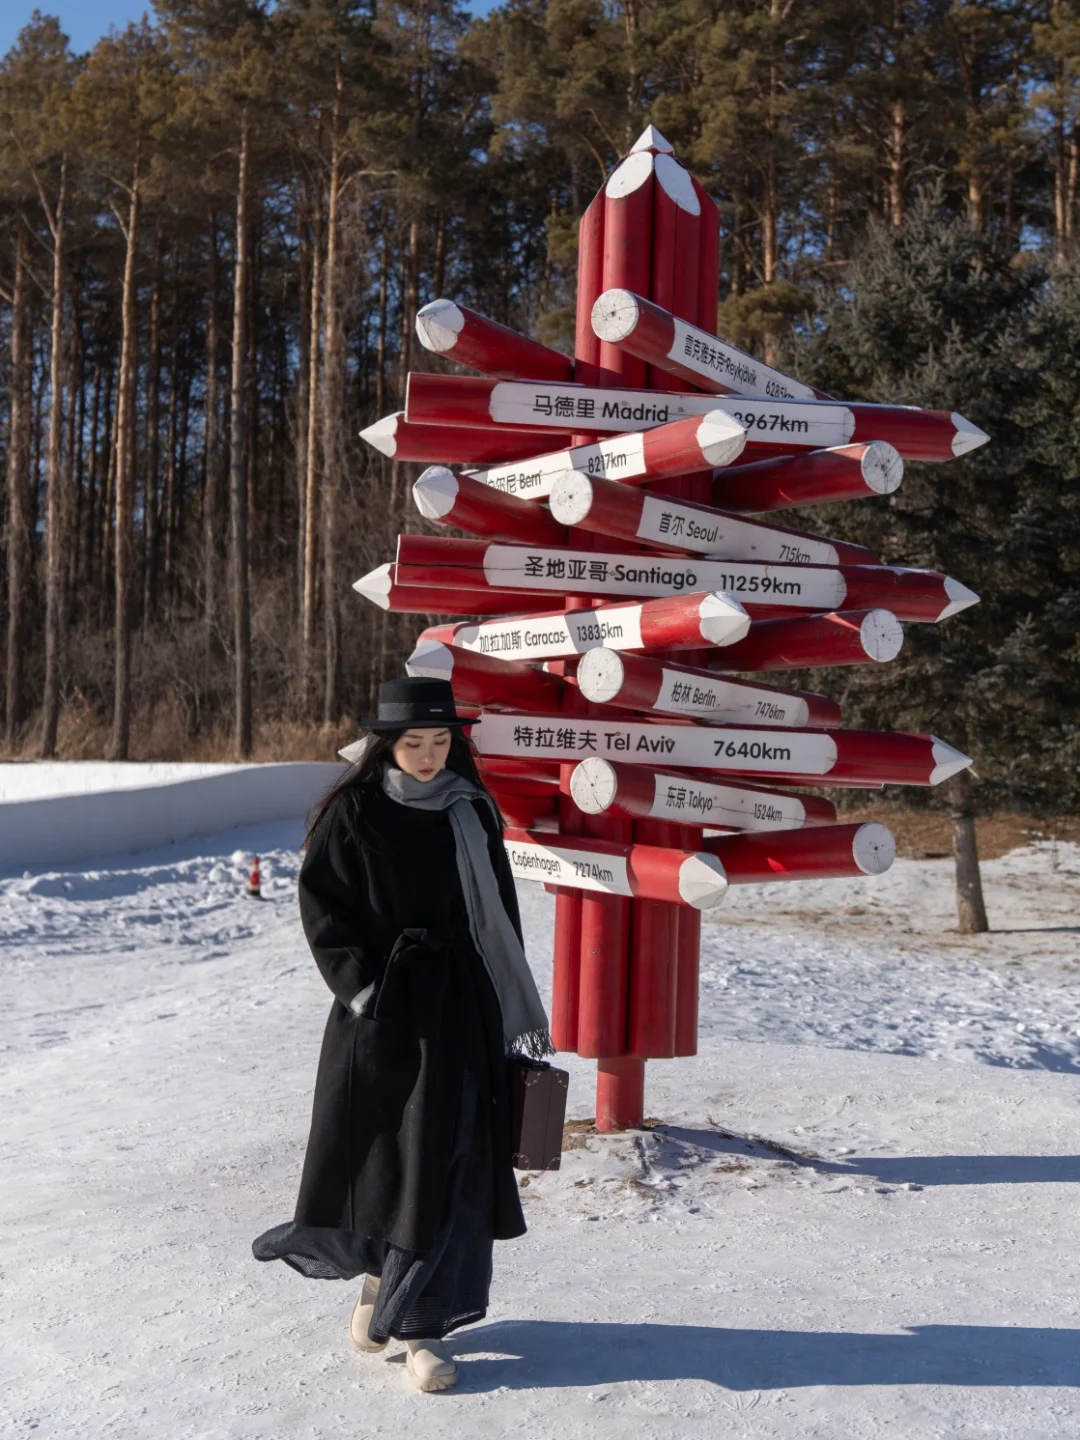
(416, 701)
(416, 690)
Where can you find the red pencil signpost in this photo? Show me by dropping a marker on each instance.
(618, 606)
(459, 400)
(636, 458)
(640, 328)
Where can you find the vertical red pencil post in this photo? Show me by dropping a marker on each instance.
(590, 282)
(628, 210)
(566, 966)
(605, 921)
(708, 261)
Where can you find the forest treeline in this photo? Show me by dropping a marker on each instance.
(216, 228)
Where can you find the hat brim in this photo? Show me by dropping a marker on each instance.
(377, 725)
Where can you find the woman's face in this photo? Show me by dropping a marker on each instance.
(422, 753)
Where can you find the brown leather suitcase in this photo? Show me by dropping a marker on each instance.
(537, 1113)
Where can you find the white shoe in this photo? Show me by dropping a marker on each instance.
(360, 1324)
(429, 1365)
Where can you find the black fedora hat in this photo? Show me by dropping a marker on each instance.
(416, 703)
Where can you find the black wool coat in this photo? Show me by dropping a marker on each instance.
(382, 906)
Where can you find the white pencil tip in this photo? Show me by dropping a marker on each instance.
(702, 881)
(947, 761)
(593, 785)
(435, 491)
(383, 434)
(651, 139)
(722, 438)
(431, 659)
(438, 325)
(722, 619)
(676, 183)
(873, 848)
(960, 597)
(375, 586)
(614, 315)
(968, 436)
(882, 467)
(629, 175)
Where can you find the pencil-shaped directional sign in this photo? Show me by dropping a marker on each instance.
(382, 587)
(626, 320)
(471, 339)
(681, 622)
(640, 682)
(470, 564)
(608, 508)
(458, 500)
(848, 472)
(846, 637)
(481, 680)
(608, 787)
(770, 424)
(649, 872)
(831, 852)
(697, 443)
(399, 439)
(844, 756)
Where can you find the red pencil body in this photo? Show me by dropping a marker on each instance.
(469, 338)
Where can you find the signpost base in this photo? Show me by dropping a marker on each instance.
(620, 1093)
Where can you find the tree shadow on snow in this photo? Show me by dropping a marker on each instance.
(922, 1170)
(540, 1354)
(963, 1169)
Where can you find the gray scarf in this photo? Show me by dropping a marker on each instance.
(525, 1023)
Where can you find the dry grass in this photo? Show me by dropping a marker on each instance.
(927, 834)
(160, 734)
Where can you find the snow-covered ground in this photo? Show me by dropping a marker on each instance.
(854, 1215)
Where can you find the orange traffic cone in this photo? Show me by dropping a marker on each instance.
(255, 883)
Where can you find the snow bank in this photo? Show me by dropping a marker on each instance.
(55, 814)
(813, 1241)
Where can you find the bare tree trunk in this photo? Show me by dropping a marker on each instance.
(970, 908)
(168, 518)
(212, 434)
(18, 490)
(304, 269)
(311, 472)
(57, 498)
(151, 499)
(440, 252)
(897, 132)
(238, 510)
(92, 480)
(333, 408)
(125, 486)
(105, 550)
(380, 344)
(73, 465)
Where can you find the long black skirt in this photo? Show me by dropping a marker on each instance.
(424, 1294)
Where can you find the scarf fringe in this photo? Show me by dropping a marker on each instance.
(535, 1044)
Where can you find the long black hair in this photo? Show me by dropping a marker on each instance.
(367, 772)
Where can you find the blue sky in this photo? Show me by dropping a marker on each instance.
(85, 20)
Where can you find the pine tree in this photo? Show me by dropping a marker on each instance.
(935, 313)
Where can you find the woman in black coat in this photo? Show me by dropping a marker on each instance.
(409, 907)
